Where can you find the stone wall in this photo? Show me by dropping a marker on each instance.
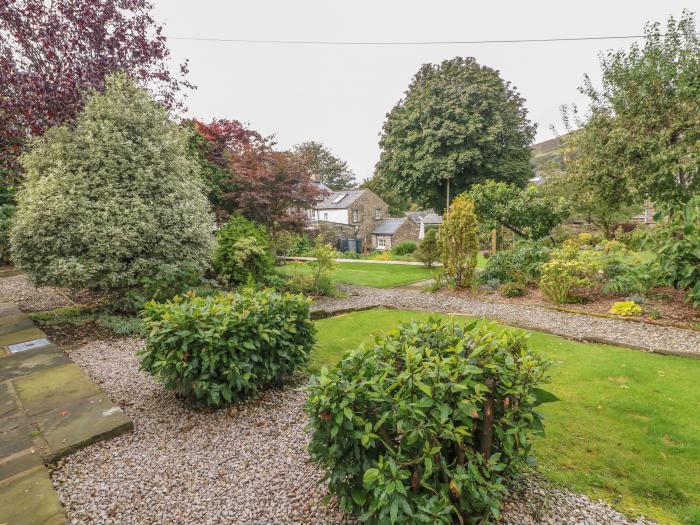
(365, 205)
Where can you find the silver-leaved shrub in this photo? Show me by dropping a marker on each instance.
(112, 198)
(428, 425)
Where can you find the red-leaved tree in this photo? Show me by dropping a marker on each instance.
(246, 175)
(52, 52)
(272, 188)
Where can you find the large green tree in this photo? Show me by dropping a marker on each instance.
(643, 136)
(458, 122)
(331, 170)
(111, 200)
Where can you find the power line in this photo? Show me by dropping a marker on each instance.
(404, 43)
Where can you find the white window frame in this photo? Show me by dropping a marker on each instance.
(377, 214)
(325, 215)
(381, 243)
(355, 215)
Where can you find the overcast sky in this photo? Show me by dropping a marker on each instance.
(340, 95)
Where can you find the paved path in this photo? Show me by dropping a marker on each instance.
(49, 407)
(644, 336)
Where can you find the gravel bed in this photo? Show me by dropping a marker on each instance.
(29, 298)
(649, 337)
(245, 465)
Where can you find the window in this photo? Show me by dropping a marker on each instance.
(377, 214)
(355, 216)
(325, 215)
(338, 198)
(381, 242)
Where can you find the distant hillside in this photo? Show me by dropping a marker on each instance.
(546, 152)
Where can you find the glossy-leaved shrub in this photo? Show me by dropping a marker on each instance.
(225, 347)
(404, 248)
(429, 424)
(110, 199)
(243, 252)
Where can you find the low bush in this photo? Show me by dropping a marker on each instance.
(493, 284)
(633, 279)
(428, 251)
(522, 263)
(679, 248)
(225, 347)
(428, 425)
(169, 281)
(564, 273)
(243, 252)
(513, 290)
(404, 248)
(626, 308)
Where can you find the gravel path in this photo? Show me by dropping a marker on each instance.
(16, 289)
(650, 337)
(247, 465)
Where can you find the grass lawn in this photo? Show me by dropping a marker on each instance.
(370, 274)
(377, 254)
(627, 428)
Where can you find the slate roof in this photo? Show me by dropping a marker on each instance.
(388, 226)
(350, 197)
(427, 216)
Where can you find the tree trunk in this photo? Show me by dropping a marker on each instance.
(486, 437)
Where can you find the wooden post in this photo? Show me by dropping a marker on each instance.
(493, 241)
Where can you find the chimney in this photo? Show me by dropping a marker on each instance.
(315, 177)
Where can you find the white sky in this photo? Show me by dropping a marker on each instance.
(340, 95)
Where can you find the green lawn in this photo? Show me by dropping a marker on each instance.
(377, 254)
(627, 428)
(370, 274)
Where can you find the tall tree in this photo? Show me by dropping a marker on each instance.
(397, 204)
(645, 118)
(272, 188)
(246, 175)
(320, 161)
(459, 122)
(52, 53)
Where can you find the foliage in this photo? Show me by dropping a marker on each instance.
(458, 242)
(626, 308)
(522, 263)
(119, 325)
(586, 239)
(169, 280)
(110, 200)
(212, 146)
(523, 211)
(429, 424)
(624, 279)
(404, 248)
(367, 274)
(52, 53)
(322, 264)
(564, 273)
(609, 395)
(513, 290)
(223, 348)
(428, 251)
(243, 252)
(493, 284)
(388, 192)
(679, 250)
(249, 177)
(6, 213)
(301, 246)
(320, 161)
(458, 122)
(578, 178)
(644, 118)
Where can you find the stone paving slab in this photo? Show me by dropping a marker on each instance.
(49, 407)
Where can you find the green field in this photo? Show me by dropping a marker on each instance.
(370, 274)
(626, 430)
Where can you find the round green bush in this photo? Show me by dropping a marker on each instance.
(513, 290)
(243, 251)
(522, 263)
(428, 425)
(225, 347)
(110, 199)
(404, 248)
